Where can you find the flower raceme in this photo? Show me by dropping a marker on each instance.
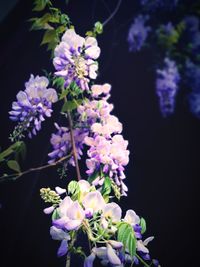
(87, 210)
(167, 86)
(33, 104)
(75, 59)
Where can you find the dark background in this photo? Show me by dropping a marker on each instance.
(163, 172)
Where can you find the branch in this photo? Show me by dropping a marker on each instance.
(74, 146)
(113, 14)
(35, 169)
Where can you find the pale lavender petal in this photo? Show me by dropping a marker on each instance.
(49, 210)
(112, 256)
(89, 260)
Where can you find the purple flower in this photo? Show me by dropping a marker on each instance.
(75, 59)
(167, 86)
(192, 33)
(138, 33)
(62, 145)
(33, 104)
(194, 103)
(159, 4)
(64, 237)
(192, 73)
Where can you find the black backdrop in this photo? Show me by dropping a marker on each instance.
(162, 175)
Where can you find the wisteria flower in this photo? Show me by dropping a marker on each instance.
(64, 237)
(138, 33)
(62, 145)
(167, 86)
(93, 202)
(75, 59)
(33, 104)
(111, 212)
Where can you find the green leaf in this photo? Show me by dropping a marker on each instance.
(64, 94)
(39, 5)
(143, 225)
(58, 82)
(49, 37)
(98, 27)
(74, 190)
(71, 105)
(13, 148)
(55, 215)
(106, 188)
(13, 165)
(126, 235)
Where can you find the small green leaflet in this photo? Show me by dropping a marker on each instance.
(126, 236)
(18, 147)
(39, 5)
(71, 105)
(49, 37)
(55, 215)
(74, 190)
(143, 225)
(13, 165)
(106, 188)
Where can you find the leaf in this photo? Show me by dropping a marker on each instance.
(71, 105)
(13, 148)
(63, 94)
(143, 225)
(55, 215)
(106, 188)
(13, 165)
(126, 236)
(74, 190)
(49, 37)
(39, 5)
(98, 27)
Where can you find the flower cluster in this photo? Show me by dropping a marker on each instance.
(33, 104)
(192, 33)
(75, 59)
(87, 210)
(159, 4)
(167, 86)
(62, 144)
(138, 33)
(108, 152)
(192, 73)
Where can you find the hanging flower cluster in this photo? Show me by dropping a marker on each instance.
(87, 210)
(138, 33)
(75, 59)
(33, 105)
(177, 45)
(167, 86)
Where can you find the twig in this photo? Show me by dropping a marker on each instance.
(113, 14)
(73, 146)
(17, 175)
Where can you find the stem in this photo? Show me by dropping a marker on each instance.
(113, 14)
(68, 261)
(142, 261)
(73, 146)
(36, 169)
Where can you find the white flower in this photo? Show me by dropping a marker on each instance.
(132, 218)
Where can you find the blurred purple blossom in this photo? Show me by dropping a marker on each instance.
(152, 5)
(167, 86)
(138, 33)
(33, 104)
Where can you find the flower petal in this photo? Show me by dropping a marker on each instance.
(113, 258)
(89, 260)
(62, 250)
